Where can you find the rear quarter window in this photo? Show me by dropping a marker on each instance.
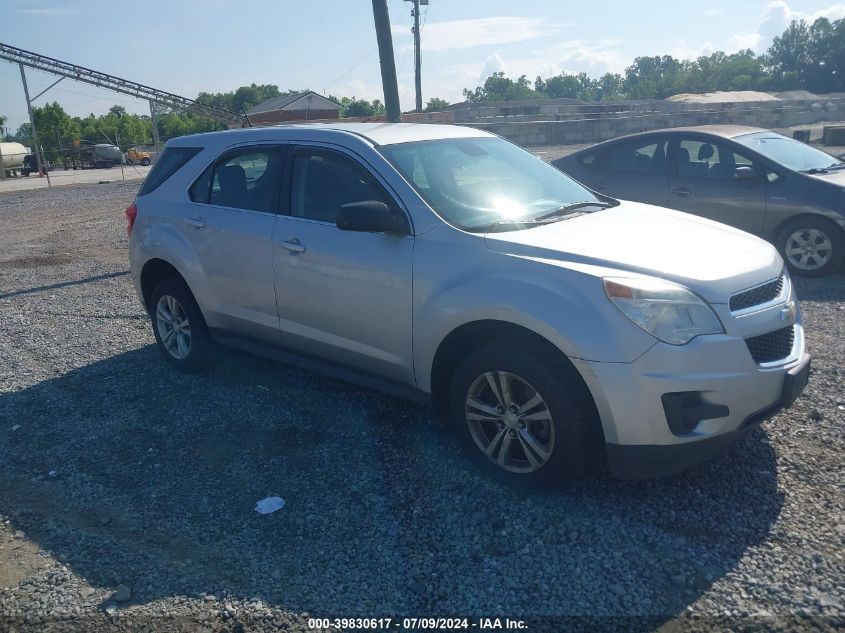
(167, 164)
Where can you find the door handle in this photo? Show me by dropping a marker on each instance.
(293, 246)
(681, 191)
(195, 222)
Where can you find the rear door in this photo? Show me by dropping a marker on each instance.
(704, 182)
(342, 295)
(229, 223)
(635, 169)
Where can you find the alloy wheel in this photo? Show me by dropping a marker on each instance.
(173, 327)
(510, 422)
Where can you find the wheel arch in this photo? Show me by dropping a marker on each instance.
(154, 271)
(468, 336)
(839, 224)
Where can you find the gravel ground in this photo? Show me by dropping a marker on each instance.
(127, 490)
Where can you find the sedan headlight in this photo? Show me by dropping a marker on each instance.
(665, 310)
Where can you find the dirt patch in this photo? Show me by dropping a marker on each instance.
(35, 261)
(18, 558)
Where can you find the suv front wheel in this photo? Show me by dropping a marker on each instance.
(179, 328)
(520, 416)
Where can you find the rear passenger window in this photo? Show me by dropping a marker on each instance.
(245, 179)
(324, 180)
(638, 157)
(168, 163)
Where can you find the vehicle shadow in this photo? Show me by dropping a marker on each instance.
(131, 473)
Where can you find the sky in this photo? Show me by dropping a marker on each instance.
(189, 46)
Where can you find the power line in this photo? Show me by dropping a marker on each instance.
(354, 66)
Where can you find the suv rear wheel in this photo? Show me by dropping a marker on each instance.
(520, 416)
(179, 328)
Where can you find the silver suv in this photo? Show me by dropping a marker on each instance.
(555, 327)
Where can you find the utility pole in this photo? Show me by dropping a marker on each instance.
(32, 124)
(417, 55)
(386, 60)
(154, 121)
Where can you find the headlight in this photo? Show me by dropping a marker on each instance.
(665, 310)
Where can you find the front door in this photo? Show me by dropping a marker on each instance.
(704, 182)
(342, 295)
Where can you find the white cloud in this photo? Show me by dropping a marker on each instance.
(51, 13)
(680, 50)
(777, 16)
(594, 57)
(493, 64)
(741, 42)
(713, 11)
(461, 34)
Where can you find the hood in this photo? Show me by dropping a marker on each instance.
(714, 260)
(836, 178)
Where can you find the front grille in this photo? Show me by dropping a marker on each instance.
(771, 346)
(756, 296)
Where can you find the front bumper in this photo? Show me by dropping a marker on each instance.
(718, 368)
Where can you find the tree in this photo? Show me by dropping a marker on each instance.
(353, 107)
(436, 105)
(57, 130)
(497, 87)
(809, 56)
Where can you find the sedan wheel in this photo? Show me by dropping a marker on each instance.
(808, 249)
(812, 246)
(173, 327)
(510, 422)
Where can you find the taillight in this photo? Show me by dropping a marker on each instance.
(131, 214)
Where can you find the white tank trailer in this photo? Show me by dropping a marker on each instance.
(13, 156)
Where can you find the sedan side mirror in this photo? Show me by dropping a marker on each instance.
(745, 173)
(371, 216)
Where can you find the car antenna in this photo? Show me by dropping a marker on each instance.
(246, 116)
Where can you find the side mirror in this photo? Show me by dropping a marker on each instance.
(745, 173)
(371, 216)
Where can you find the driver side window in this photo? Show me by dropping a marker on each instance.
(324, 180)
(699, 158)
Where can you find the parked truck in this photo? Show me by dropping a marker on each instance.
(137, 156)
(14, 155)
(98, 156)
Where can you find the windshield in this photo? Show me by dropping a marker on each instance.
(788, 152)
(474, 183)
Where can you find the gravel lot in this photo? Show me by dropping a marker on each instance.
(127, 490)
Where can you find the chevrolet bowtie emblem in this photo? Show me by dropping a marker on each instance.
(788, 313)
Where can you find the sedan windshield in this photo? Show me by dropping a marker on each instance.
(487, 183)
(788, 152)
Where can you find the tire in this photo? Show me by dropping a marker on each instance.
(812, 246)
(569, 437)
(145, 162)
(188, 354)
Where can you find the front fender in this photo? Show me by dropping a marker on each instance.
(566, 307)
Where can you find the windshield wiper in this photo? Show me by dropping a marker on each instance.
(823, 170)
(563, 210)
(480, 228)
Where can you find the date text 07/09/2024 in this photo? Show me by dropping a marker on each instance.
(428, 623)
